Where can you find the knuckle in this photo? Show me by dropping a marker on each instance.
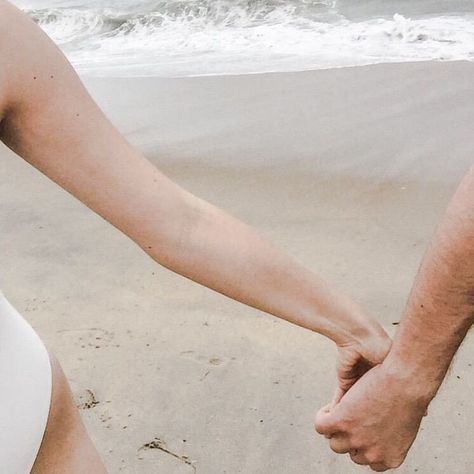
(319, 427)
(359, 459)
(394, 463)
(378, 467)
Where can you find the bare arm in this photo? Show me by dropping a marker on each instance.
(51, 121)
(378, 419)
(440, 309)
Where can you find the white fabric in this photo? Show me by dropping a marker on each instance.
(25, 391)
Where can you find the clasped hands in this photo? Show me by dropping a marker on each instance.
(377, 408)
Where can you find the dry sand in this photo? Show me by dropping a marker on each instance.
(348, 170)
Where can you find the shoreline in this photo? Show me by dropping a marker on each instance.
(89, 76)
(349, 121)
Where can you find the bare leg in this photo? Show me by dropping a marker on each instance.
(66, 446)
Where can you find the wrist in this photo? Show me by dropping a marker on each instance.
(417, 382)
(366, 336)
(343, 321)
(356, 327)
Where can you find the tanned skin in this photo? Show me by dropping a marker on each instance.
(378, 419)
(49, 119)
(66, 446)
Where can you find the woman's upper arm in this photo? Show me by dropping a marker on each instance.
(54, 124)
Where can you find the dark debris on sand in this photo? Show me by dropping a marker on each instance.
(159, 444)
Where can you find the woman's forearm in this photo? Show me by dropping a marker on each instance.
(207, 245)
(51, 121)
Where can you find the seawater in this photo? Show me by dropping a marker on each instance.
(205, 37)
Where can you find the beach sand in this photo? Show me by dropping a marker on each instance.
(348, 170)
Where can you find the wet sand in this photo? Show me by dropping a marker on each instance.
(348, 170)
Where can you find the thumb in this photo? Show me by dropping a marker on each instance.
(337, 398)
(325, 423)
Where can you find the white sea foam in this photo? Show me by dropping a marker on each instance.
(196, 37)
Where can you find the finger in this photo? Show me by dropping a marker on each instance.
(324, 423)
(358, 457)
(340, 443)
(379, 467)
(325, 409)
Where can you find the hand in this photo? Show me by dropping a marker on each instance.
(377, 420)
(359, 355)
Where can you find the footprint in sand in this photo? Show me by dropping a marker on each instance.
(204, 360)
(86, 399)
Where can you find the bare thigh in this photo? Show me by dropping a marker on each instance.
(66, 446)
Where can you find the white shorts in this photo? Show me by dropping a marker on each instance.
(25, 391)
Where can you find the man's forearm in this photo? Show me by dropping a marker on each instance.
(440, 309)
(377, 420)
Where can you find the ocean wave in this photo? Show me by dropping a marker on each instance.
(196, 37)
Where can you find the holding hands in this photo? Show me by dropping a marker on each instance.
(377, 420)
(358, 354)
(377, 409)
(376, 412)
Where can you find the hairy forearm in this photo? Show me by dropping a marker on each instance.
(440, 309)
